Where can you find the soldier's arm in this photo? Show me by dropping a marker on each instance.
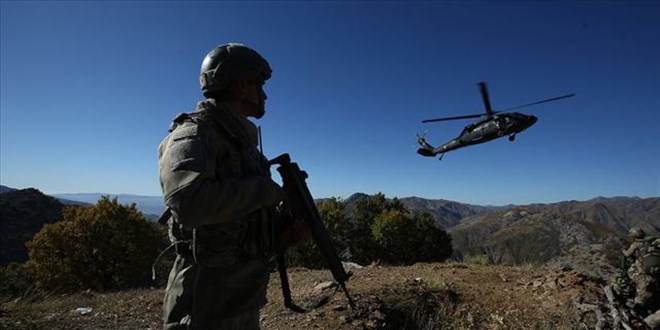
(631, 250)
(193, 192)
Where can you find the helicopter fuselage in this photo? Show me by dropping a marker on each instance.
(490, 128)
(491, 125)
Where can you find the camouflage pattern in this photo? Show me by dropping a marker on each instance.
(651, 260)
(623, 285)
(636, 232)
(653, 320)
(651, 266)
(218, 187)
(643, 273)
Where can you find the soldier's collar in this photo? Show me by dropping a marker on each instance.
(233, 119)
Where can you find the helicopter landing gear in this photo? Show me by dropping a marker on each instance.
(512, 137)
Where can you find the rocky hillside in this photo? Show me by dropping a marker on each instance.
(22, 214)
(586, 235)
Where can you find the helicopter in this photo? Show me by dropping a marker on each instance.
(490, 126)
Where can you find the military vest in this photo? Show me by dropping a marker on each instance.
(222, 244)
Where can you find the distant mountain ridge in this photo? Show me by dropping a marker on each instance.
(586, 235)
(583, 235)
(24, 212)
(5, 189)
(445, 212)
(149, 205)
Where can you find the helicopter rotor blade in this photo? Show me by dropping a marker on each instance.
(452, 118)
(539, 102)
(484, 96)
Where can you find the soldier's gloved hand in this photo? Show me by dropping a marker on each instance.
(296, 232)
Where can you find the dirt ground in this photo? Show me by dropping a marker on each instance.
(422, 296)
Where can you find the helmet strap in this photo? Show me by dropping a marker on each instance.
(256, 108)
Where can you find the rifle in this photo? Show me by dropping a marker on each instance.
(303, 207)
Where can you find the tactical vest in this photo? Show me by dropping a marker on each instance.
(222, 244)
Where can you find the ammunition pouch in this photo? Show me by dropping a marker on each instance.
(223, 244)
(181, 238)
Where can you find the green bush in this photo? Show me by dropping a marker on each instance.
(392, 232)
(15, 281)
(102, 247)
(431, 243)
(479, 259)
(378, 230)
(336, 223)
(403, 239)
(365, 249)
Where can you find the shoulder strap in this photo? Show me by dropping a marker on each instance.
(178, 120)
(225, 123)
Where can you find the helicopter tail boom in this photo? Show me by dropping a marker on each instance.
(425, 149)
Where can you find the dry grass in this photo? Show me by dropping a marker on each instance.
(422, 296)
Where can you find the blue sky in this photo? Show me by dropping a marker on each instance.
(88, 89)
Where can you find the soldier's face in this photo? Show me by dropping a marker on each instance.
(257, 97)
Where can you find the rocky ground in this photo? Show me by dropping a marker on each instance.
(422, 296)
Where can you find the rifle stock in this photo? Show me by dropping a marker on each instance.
(303, 207)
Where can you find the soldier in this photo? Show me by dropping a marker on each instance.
(645, 278)
(223, 202)
(651, 265)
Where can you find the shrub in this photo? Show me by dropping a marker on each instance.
(367, 210)
(392, 231)
(378, 230)
(432, 243)
(336, 223)
(102, 247)
(480, 259)
(15, 281)
(404, 239)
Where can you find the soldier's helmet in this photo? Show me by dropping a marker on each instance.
(229, 62)
(636, 233)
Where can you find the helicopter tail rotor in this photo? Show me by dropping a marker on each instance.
(425, 149)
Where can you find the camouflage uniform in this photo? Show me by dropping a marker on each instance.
(651, 265)
(647, 292)
(218, 187)
(653, 320)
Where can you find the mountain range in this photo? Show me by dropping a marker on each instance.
(149, 205)
(585, 235)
